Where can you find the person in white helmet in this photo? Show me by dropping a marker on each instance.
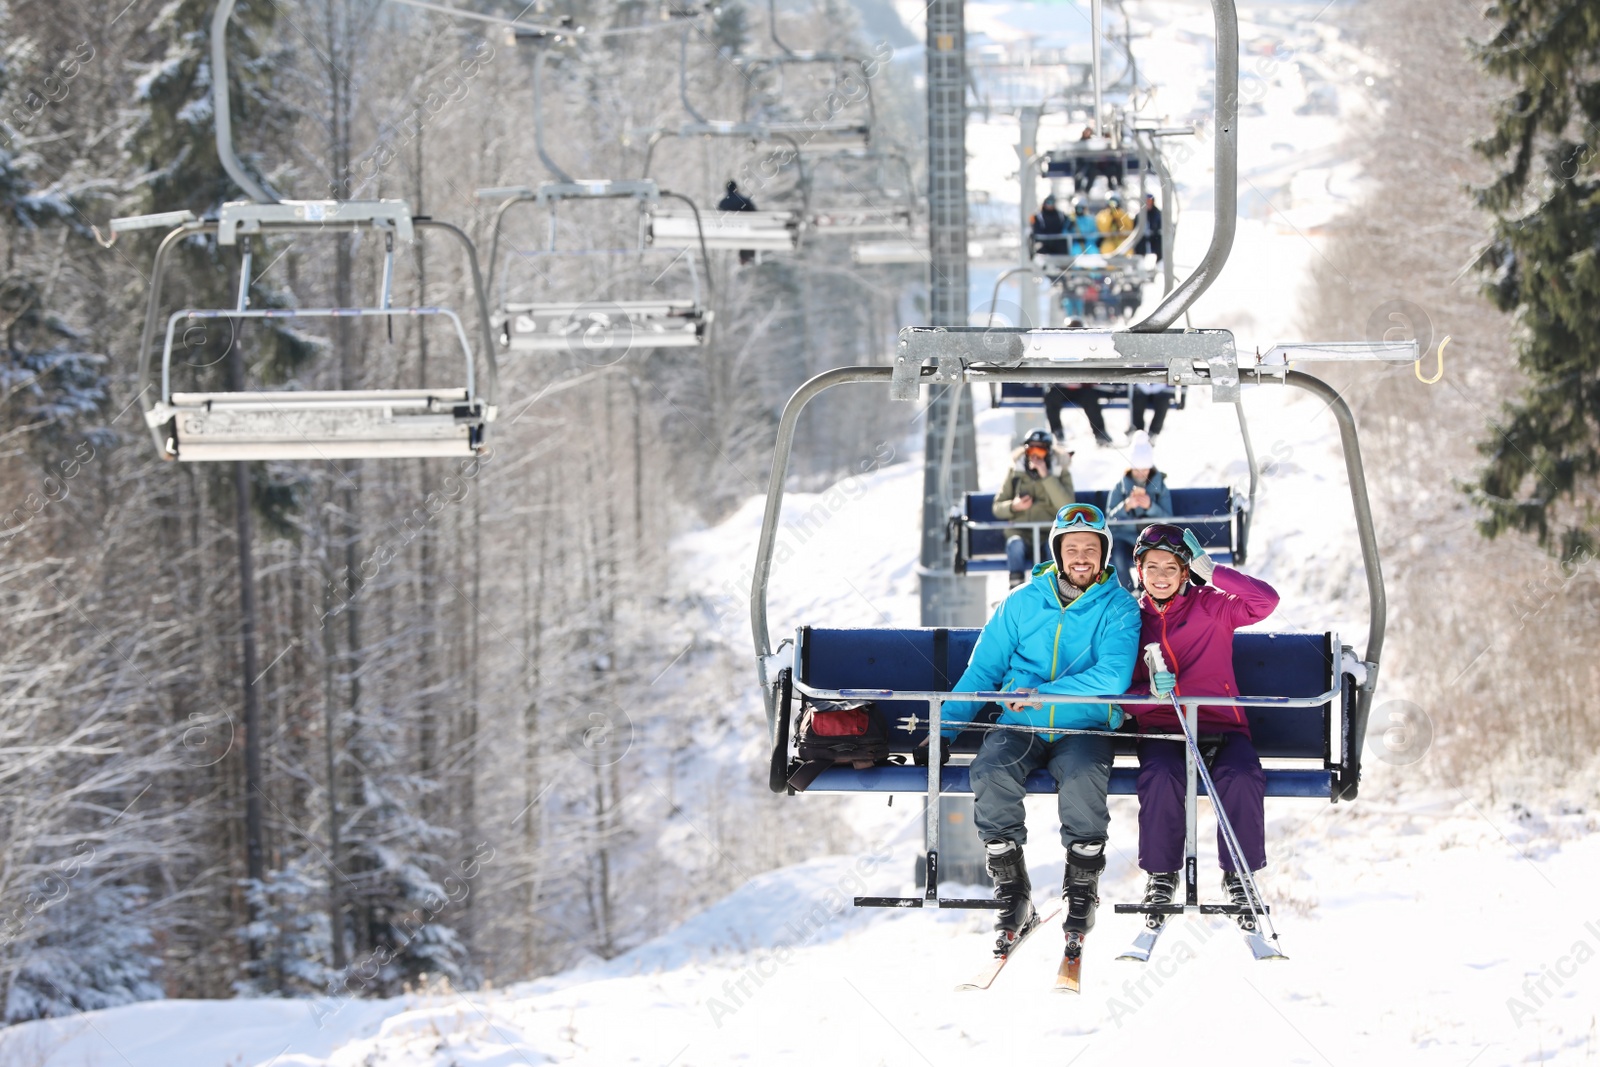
(1141, 494)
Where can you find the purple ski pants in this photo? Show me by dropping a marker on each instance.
(1241, 788)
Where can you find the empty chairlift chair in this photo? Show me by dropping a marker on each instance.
(291, 424)
(618, 316)
(772, 124)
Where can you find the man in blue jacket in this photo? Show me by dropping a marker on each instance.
(1072, 630)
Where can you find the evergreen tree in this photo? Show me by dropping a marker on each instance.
(1544, 264)
(48, 382)
(94, 951)
(175, 145)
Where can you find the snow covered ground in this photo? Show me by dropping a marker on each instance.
(1422, 926)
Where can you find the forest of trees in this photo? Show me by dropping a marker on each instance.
(476, 698)
(1478, 225)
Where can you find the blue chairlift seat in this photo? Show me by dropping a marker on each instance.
(1065, 162)
(1023, 395)
(981, 547)
(1302, 748)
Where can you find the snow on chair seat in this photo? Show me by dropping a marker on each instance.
(1303, 747)
(583, 326)
(757, 231)
(342, 424)
(863, 222)
(1214, 513)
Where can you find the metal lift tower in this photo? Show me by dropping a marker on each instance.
(951, 462)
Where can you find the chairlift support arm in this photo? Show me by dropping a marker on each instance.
(1225, 162)
(222, 114)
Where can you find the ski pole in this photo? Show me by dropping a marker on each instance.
(1154, 662)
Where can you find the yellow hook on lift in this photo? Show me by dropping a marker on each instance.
(1437, 374)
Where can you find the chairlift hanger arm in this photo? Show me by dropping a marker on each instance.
(480, 297)
(700, 231)
(683, 79)
(538, 116)
(222, 115)
(1225, 161)
(152, 311)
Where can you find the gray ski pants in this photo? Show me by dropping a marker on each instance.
(1080, 764)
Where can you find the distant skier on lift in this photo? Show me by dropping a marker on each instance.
(1072, 630)
(737, 201)
(1114, 223)
(1191, 606)
(1151, 241)
(1049, 228)
(1084, 228)
(1037, 486)
(1142, 493)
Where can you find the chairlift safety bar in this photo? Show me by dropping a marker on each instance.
(305, 313)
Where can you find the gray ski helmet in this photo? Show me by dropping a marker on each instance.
(1039, 436)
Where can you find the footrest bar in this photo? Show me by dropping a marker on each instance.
(1179, 909)
(972, 903)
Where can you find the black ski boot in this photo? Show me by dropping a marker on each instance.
(1159, 888)
(1010, 873)
(1238, 893)
(1080, 885)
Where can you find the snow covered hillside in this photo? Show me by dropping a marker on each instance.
(1420, 930)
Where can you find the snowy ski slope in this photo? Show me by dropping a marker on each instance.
(1422, 927)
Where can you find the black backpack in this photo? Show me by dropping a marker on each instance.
(833, 732)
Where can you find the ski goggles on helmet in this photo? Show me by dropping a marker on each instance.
(1084, 516)
(1165, 536)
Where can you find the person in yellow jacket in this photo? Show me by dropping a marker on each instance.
(1115, 223)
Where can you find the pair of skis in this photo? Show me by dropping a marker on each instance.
(1145, 944)
(1067, 976)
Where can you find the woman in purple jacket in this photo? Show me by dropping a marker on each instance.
(1190, 607)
